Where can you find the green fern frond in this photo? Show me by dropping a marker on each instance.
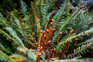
(14, 35)
(19, 26)
(4, 57)
(37, 21)
(24, 8)
(3, 21)
(4, 49)
(59, 13)
(65, 22)
(8, 37)
(82, 49)
(84, 43)
(23, 30)
(78, 35)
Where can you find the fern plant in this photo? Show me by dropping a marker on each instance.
(38, 35)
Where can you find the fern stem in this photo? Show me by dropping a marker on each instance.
(36, 19)
(73, 45)
(58, 38)
(47, 35)
(39, 45)
(33, 21)
(0, 48)
(53, 30)
(46, 25)
(65, 48)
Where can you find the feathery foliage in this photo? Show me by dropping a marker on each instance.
(35, 39)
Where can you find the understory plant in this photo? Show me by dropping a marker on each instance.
(41, 33)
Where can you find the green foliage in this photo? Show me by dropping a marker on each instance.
(18, 27)
(24, 8)
(4, 57)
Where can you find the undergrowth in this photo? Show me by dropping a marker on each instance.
(38, 34)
